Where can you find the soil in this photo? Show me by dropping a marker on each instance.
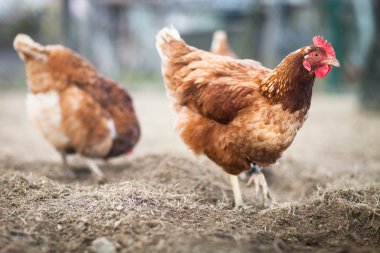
(162, 198)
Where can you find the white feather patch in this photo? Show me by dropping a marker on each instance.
(218, 37)
(163, 36)
(112, 128)
(44, 111)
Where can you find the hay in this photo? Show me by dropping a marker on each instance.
(173, 208)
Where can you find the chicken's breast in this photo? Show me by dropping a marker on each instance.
(44, 110)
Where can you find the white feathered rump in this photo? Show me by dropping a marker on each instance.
(164, 36)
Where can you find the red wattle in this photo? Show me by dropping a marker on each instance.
(322, 71)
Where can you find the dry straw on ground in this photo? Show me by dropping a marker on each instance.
(177, 209)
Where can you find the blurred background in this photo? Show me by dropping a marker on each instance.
(118, 36)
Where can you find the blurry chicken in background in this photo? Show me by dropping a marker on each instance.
(237, 112)
(220, 44)
(76, 109)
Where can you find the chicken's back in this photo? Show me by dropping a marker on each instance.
(196, 78)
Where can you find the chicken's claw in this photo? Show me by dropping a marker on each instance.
(258, 179)
(100, 177)
(101, 180)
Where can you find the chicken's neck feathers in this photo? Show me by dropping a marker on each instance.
(289, 84)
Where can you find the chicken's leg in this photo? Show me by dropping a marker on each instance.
(236, 189)
(64, 161)
(67, 170)
(95, 169)
(258, 178)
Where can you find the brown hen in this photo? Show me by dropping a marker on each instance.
(237, 112)
(76, 109)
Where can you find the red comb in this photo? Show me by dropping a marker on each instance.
(319, 41)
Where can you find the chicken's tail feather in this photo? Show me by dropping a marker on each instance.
(171, 48)
(219, 37)
(164, 37)
(27, 47)
(220, 44)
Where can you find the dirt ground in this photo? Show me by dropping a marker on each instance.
(161, 198)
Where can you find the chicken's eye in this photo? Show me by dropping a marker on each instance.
(316, 55)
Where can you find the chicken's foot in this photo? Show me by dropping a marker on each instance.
(95, 169)
(258, 179)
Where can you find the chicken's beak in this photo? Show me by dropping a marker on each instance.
(332, 61)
